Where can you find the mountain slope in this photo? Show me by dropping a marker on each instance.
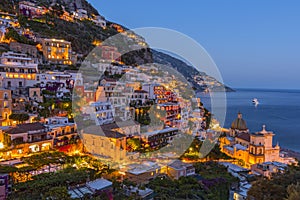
(82, 35)
(189, 72)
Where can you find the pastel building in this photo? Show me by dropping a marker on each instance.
(252, 148)
(27, 138)
(99, 21)
(5, 107)
(176, 169)
(110, 53)
(17, 71)
(58, 51)
(159, 138)
(105, 144)
(268, 169)
(142, 173)
(61, 130)
(100, 112)
(30, 9)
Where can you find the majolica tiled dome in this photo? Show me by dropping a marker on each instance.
(239, 123)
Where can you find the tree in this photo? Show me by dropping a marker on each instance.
(293, 191)
(19, 117)
(133, 144)
(57, 193)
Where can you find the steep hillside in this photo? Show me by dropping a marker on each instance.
(189, 72)
(83, 35)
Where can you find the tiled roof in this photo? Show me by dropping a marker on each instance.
(140, 91)
(23, 128)
(244, 136)
(97, 130)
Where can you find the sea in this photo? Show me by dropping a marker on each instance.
(279, 110)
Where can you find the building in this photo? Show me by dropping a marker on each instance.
(100, 112)
(61, 130)
(58, 51)
(241, 192)
(139, 97)
(5, 107)
(110, 53)
(108, 145)
(30, 9)
(159, 138)
(23, 48)
(143, 194)
(116, 93)
(2, 33)
(91, 188)
(80, 14)
(142, 173)
(268, 169)
(35, 94)
(159, 93)
(128, 128)
(252, 148)
(172, 114)
(176, 169)
(99, 21)
(4, 186)
(27, 138)
(18, 71)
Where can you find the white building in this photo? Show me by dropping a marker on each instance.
(80, 14)
(139, 96)
(67, 78)
(101, 112)
(99, 21)
(17, 70)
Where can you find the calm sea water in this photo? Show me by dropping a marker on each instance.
(279, 110)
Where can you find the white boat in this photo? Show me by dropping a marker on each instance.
(255, 101)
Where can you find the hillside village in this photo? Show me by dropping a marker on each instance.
(108, 126)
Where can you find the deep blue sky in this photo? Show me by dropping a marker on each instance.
(255, 43)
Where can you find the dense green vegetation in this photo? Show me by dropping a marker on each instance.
(281, 186)
(193, 152)
(19, 117)
(12, 34)
(7, 6)
(213, 183)
(77, 169)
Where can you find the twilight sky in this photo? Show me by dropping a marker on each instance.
(255, 44)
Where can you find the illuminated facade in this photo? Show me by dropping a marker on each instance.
(58, 51)
(30, 9)
(109, 145)
(100, 112)
(252, 148)
(27, 138)
(61, 130)
(17, 70)
(110, 53)
(5, 106)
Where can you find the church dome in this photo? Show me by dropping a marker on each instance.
(239, 123)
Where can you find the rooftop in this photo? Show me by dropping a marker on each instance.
(178, 164)
(99, 184)
(244, 136)
(98, 130)
(23, 128)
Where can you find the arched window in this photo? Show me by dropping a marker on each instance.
(5, 95)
